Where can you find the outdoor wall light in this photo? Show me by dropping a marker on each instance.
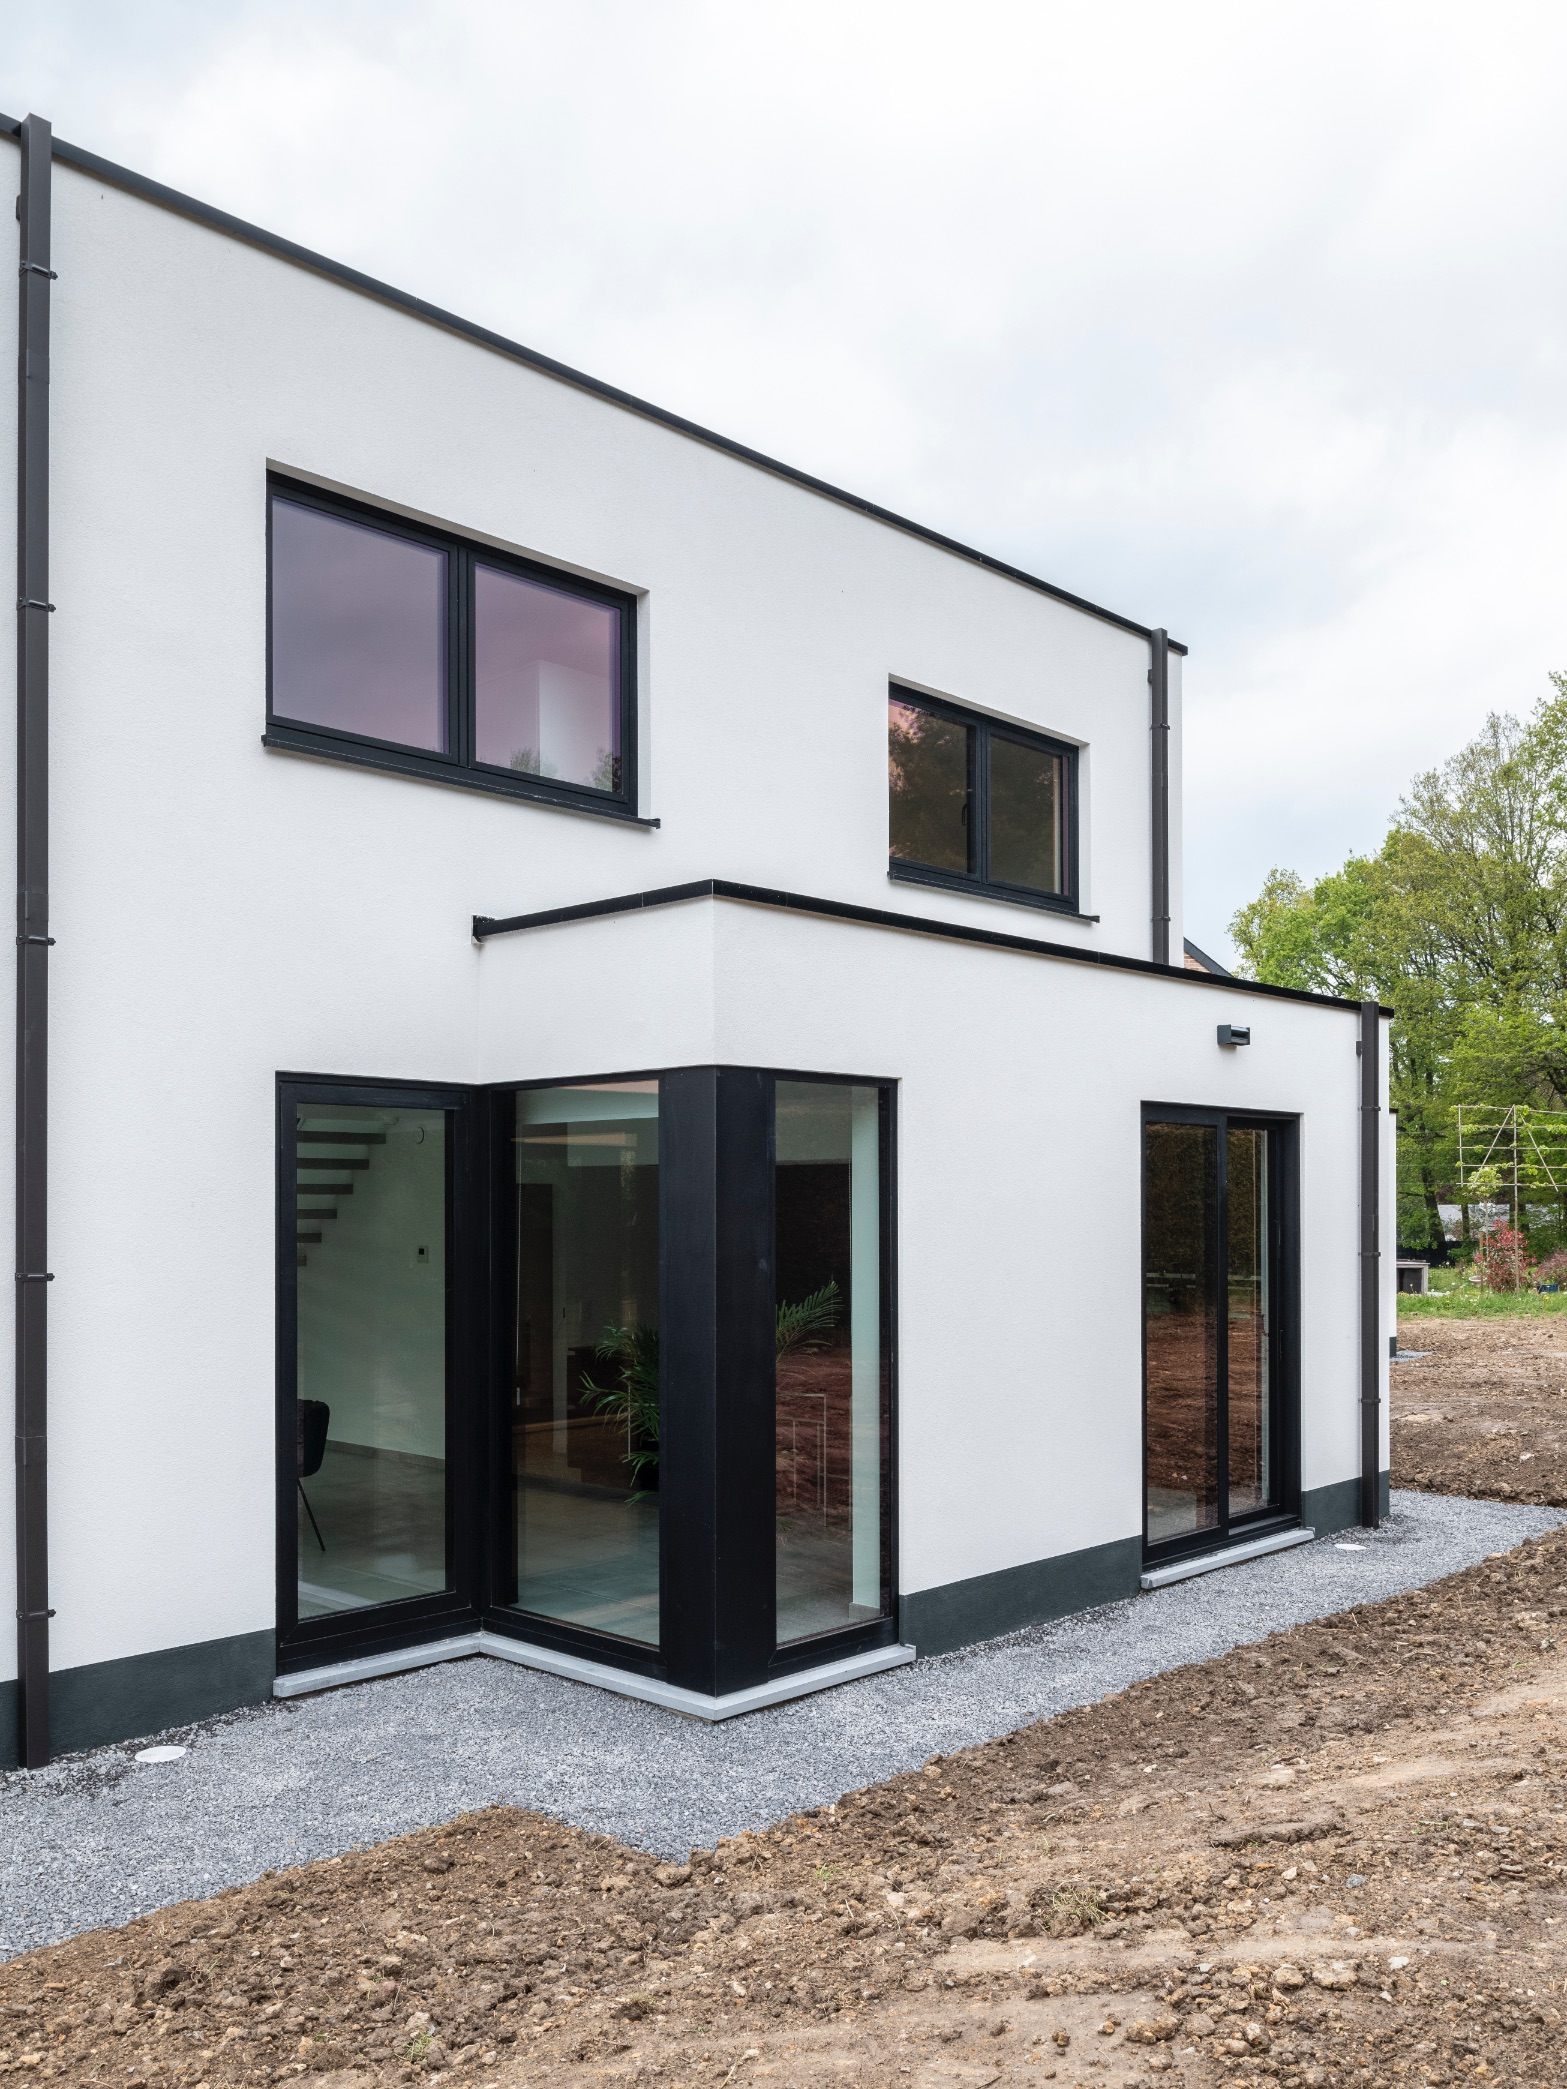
(1234, 1033)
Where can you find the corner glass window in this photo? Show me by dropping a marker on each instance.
(407, 649)
(585, 1416)
(830, 1381)
(977, 806)
(603, 1364)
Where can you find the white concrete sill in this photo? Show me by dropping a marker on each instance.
(1230, 1556)
(496, 1646)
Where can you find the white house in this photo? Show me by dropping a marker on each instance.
(614, 1090)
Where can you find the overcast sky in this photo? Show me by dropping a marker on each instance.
(1246, 320)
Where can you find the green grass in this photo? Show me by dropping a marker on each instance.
(1461, 1301)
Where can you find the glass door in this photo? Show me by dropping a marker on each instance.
(1214, 1332)
(367, 1468)
(1248, 1323)
(584, 1407)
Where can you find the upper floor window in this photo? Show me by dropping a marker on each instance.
(980, 806)
(412, 650)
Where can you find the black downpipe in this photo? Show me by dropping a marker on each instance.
(1370, 1049)
(32, 949)
(1159, 765)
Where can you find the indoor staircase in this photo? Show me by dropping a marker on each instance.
(330, 1157)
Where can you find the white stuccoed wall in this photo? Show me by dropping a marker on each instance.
(1021, 1082)
(224, 913)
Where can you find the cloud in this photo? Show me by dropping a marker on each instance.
(1246, 321)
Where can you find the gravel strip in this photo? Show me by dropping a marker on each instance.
(99, 1838)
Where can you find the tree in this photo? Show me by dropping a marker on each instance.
(1460, 923)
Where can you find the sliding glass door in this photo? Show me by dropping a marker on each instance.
(1218, 1327)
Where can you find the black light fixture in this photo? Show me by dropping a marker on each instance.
(1234, 1033)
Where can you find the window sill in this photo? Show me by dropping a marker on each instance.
(1010, 895)
(1160, 1574)
(283, 739)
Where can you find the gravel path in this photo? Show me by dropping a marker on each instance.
(100, 1838)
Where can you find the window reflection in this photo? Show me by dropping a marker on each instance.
(1246, 1199)
(831, 1437)
(358, 629)
(1025, 815)
(1181, 1327)
(547, 681)
(929, 769)
(585, 1425)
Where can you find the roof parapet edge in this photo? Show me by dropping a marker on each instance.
(450, 322)
(487, 925)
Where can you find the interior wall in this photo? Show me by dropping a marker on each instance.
(372, 1305)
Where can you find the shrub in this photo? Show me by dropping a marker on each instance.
(1502, 1260)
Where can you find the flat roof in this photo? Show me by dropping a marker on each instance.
(434, 315)
(487, 925)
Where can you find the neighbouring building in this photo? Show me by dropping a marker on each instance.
(607, 1069)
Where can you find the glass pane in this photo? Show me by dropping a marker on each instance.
(372, 1200)
(1025, 816)
(1251, 1477)
(585, 1424)
(928, 769)
(358, 629)
(1181, 1327)
(830, 1444)
(547, 681)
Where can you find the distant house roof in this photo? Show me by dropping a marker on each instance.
(1199, 961)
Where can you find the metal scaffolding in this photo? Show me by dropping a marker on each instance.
(1506, 1155)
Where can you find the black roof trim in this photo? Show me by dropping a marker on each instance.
(434, 315)
(1209, 964)
(487, 925)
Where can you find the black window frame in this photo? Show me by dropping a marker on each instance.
(717, 1305)
(459, 765)
(717, 1310)
(1284, 1250)
(984, 729)
(346, 1635)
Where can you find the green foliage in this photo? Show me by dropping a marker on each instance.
(1469, 1302)
(1459, 921)
(634, 1352)
(804, 1326)
(927, 760)
(634, 1400)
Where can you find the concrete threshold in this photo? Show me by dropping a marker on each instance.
(1230, 1556)
(573, 1668)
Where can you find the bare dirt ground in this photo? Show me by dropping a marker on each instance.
(1485, 1412)
(1338, 1857)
